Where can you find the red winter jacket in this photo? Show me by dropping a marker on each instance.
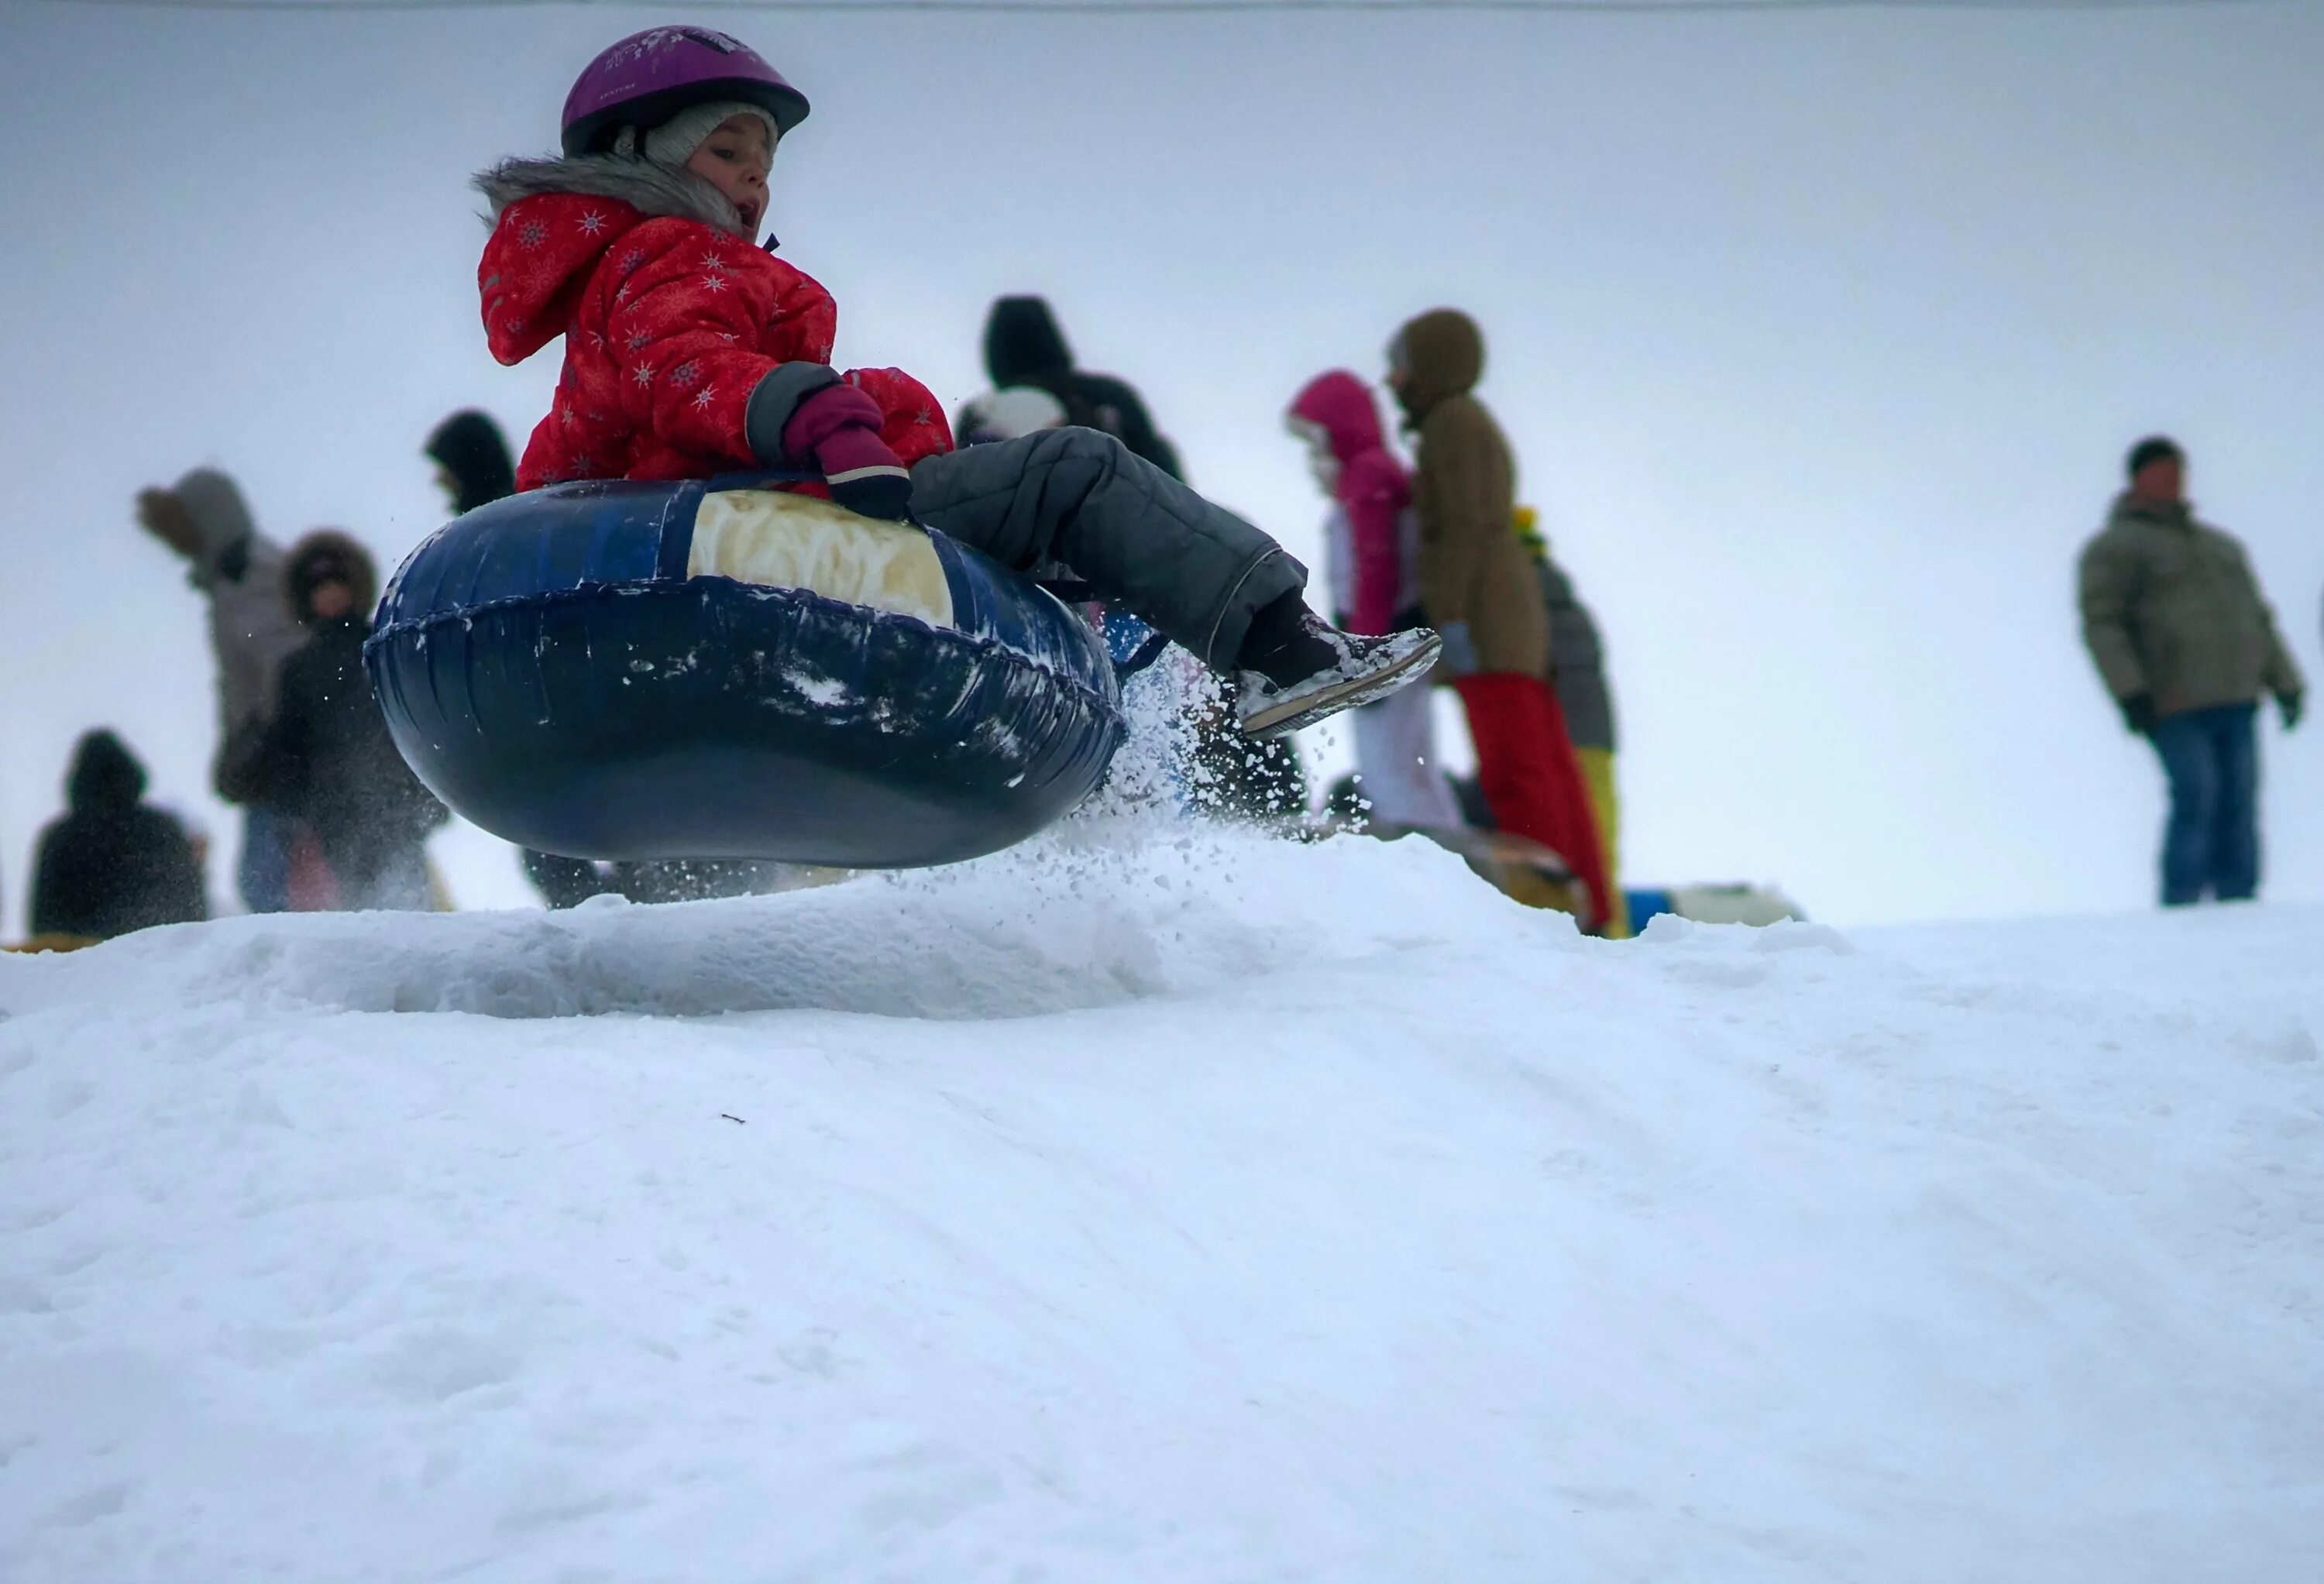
(1374, 491)
(669, 319)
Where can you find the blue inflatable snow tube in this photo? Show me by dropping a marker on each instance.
(718, 669)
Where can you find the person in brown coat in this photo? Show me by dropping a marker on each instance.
(1479, 590)
(2186, 645)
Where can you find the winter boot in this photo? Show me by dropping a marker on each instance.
(1295, 669)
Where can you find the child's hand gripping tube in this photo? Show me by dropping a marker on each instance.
(804, 414)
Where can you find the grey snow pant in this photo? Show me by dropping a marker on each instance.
(1196, 572)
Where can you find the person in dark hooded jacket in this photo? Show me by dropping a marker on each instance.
(474, 467)
(113, 863)
(326, 752)
(1234, 776)
(1023, 346)
(1577, 673)
(473, 462)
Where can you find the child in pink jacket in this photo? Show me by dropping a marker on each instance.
(1370, 542)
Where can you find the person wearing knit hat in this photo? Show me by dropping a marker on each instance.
(675, 141)
(2186, 645)
(689, 353)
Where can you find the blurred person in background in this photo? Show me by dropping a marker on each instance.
(1037, 387)
(1023, 346)
(1577, 675)
(2186, 645)
(113, 863)
(1009, 413)
(238, 571)
(1371, 543)
(1478, 589)
(325, 753)
(474, 467)
(1226, 773)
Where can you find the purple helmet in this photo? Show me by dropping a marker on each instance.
(650, 77)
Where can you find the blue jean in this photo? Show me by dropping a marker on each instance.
(2211, 841)
(264, 874)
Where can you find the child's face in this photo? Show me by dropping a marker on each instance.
(736, 160)
(1323, 461)
(331, 600)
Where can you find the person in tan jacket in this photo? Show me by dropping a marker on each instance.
(1479, 590)
(2186, 645)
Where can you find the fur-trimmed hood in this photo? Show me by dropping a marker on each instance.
(556, 222)
(330, 552)
(646, 187)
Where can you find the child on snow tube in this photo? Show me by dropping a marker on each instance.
(689, 352)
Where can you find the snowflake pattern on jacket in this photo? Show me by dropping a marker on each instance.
(670, 321)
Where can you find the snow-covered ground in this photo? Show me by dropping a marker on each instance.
(1195, 1210)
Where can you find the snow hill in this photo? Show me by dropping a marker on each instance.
(1192, 1210)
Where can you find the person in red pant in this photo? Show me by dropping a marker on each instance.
(1478, 588)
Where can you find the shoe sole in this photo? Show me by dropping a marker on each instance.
(1292, 714)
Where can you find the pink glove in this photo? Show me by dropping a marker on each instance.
(839, 427)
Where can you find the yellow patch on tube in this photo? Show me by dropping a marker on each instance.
(780, 541)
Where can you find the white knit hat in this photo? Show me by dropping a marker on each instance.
(673, 143)
(1011, 414)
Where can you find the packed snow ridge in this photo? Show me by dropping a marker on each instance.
(1193, 1208)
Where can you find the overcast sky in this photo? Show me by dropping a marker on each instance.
(1820, 338)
